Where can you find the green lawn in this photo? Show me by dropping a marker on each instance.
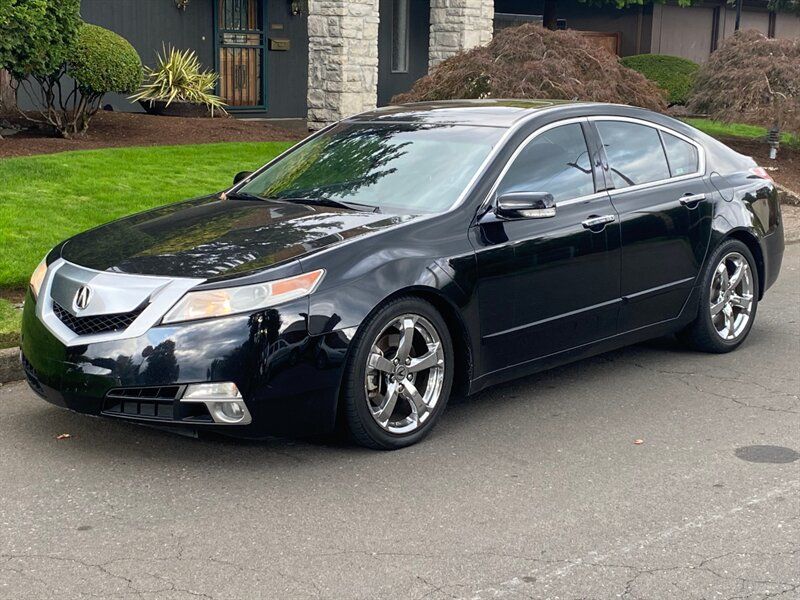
(44, 199)
(718, 129)
(10, 319)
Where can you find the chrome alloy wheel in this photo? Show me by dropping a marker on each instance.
(731, 298)
(405, 374)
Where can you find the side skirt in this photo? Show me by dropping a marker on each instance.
(686, 316)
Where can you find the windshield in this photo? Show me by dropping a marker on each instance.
(397, 167)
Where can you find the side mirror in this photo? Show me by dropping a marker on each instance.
(241, 176)
(526, 205)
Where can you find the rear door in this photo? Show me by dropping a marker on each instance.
(664, 203)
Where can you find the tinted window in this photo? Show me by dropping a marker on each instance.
(682, 156)
(635, 154)
(395, 166)
(556, 162)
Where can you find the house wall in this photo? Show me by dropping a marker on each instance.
(787, 26)
(632, 23)
(683, 32)
(151, 24)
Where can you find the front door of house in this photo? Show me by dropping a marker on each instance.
(403, 41)
(240, 43)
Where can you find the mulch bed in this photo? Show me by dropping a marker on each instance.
(117, 129)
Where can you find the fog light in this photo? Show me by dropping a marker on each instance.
(223, 401)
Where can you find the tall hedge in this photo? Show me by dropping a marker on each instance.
(673, 74)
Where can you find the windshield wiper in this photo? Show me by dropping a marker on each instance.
(243, 196)
(324, 201)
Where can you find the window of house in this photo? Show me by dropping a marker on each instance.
(400, 36)
(682, 156)
(556, 162)
(635, 154)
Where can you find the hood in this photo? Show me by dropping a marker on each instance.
(212, 239)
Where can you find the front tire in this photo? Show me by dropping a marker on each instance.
(398, 376)
(728, 300)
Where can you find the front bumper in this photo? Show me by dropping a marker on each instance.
(289, 380)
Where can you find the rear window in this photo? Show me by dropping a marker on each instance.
(682, 156)
(635, 154)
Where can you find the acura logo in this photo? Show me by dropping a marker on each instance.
(83, 297)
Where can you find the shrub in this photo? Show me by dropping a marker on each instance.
(672, 74)
(35, 35)
(535, 63)
(179, 78)
(101, 61)
(98, 61)
(752, 79)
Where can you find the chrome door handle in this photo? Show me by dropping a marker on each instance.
(598, 221)
(692, 200)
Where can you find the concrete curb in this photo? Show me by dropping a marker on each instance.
(10, 367)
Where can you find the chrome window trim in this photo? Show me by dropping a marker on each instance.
(701, 153)
(161, 299)
(524, 144)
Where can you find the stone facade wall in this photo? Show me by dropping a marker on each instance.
(458, 25)
(342, 59)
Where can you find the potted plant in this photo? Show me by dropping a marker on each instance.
(179, 87)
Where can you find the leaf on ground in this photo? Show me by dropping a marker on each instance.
(63, 436)
(638, 442)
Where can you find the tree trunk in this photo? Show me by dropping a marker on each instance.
(550, 15)
(7, 100)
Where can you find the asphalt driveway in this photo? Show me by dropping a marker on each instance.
(535, 489)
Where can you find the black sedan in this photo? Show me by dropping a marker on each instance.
(401, 256)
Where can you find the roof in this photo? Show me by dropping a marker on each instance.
(493, 113)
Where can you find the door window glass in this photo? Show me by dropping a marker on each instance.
(682, 156)
(556, 161)
(635, 154)
(400, 36)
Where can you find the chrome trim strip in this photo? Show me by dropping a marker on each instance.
(572, 313)
(161, 293)
(658, 289)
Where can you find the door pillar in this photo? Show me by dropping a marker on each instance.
(342, 59)
(458, 25)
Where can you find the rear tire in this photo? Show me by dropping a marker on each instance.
(728, 300)
(398, 376)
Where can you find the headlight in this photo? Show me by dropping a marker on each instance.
(244, 299)
(38, 277)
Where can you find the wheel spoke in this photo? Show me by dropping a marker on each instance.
(384, 412)
(741, 267)
(418, 405)
(380, 363)
(717, 308)
(406, 339)
(427, 361)
(729, 322)
(722, 274)
(741, 301)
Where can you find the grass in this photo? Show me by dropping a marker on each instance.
(45, 199)
(738, 130)
(10, 319)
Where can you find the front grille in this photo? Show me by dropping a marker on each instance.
(158, 403)
(96, 323)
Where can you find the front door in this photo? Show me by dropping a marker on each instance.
(549, 284)
(240, 42)
(663, 200)
(403, 42)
